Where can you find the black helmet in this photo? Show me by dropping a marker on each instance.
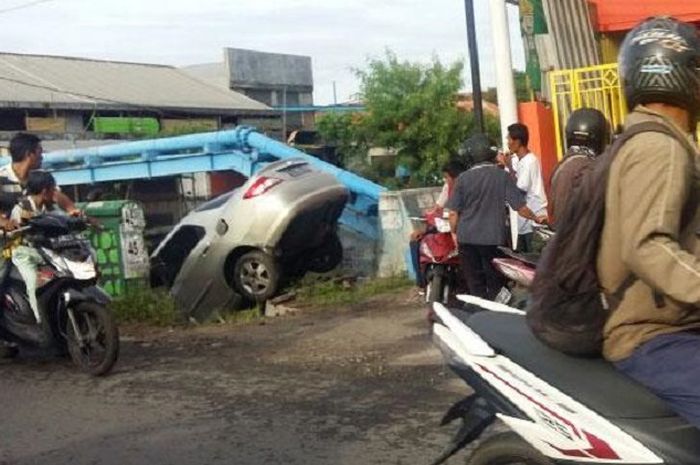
(480, 148)
(463, 156)
(660, 63)
(587, 127)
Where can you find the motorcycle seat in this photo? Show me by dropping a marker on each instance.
(525, 257)
(593, 382)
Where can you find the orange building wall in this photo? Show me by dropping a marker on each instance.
(623, 15)
(540, 123)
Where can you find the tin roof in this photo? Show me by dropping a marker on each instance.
(37, 81)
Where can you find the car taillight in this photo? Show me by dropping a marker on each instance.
(260, 186)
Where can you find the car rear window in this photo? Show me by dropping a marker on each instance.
(296, 170)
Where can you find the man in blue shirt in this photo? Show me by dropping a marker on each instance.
(477, 215)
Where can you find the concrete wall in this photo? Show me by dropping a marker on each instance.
(395, 211)
(252, 69)
(359, 252)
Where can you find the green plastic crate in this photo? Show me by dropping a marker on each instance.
(126, 125)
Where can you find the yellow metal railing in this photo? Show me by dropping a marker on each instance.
(593, 87)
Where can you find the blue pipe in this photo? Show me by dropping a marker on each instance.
(245, 139)
(130, 149)
(358, 184)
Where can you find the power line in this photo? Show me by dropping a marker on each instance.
(24, 5)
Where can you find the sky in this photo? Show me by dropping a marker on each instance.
(339, 35)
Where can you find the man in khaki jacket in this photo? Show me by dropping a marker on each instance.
(650, 246)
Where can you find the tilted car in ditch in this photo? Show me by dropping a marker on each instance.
(280, 224)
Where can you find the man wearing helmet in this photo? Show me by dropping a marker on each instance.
(587, 134)
(650, 246)
(477, 215)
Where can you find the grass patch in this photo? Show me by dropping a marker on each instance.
(240, 317)
(150, 306)
(156, 307)
(338, 292)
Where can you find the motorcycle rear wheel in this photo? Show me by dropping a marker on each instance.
(507, 449)
(96, 324)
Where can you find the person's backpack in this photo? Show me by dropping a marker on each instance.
(568, 309)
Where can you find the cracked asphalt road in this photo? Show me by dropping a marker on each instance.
(355, 385)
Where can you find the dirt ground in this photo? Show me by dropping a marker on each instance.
(360, 384)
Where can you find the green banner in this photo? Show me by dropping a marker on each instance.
(532, 22)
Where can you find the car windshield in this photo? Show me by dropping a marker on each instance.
(215, 202)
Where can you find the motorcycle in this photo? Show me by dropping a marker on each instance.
(438, 258)
(557, 409)
(519, 269)
(73, 317)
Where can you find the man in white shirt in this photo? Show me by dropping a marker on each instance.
(529, 179)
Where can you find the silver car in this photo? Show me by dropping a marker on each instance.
(281, 223)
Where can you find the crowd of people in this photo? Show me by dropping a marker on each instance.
(479, 183)
(644, 217)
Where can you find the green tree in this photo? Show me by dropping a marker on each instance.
(410, 107)
(345, 131)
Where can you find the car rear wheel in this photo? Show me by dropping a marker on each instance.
(328, 256)
(256, 276)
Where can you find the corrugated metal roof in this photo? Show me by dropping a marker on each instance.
(571, 34)
(75, 83)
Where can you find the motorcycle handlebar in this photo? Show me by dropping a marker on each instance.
(16, 232)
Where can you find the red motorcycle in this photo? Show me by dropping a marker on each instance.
(438, 258)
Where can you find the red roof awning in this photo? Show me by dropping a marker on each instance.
(622, 15)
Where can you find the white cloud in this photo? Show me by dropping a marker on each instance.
(338, 34)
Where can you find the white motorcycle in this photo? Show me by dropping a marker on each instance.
(73, 315)
(558, 409)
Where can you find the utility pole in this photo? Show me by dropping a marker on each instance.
(474, 65)
(505, 84)
(284, 114)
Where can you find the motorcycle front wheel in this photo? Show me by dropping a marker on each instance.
(95, 346)
(507, 449)
(435, 288)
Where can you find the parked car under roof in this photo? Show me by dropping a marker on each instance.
(280, 224)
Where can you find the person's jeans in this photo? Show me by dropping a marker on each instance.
(27, 260)
(415, 260)
(482, 279)
(669, 366)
